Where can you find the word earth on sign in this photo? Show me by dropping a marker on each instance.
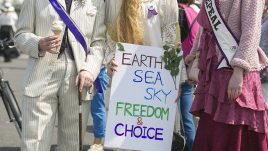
(142, 60)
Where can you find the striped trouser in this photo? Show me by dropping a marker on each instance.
(39, 113)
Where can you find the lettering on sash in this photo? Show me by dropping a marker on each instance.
(214, 18)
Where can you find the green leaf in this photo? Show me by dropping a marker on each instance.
(178, 50)
(120, 47)
(173, 73)
(172, 59)
(166, 47)
(166, 66)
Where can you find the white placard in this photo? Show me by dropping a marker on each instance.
(142, 103)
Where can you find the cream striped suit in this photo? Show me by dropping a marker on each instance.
(49, 85)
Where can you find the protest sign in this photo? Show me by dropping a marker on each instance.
(142, 103)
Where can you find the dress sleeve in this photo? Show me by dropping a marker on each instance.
(251, 15)
(112, 9)
(196, 43)
(169, 15)
(110, 49)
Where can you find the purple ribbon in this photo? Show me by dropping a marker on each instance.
(77, 34)
(151, 12)
(70, 24)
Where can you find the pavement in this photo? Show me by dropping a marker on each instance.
(9, 138)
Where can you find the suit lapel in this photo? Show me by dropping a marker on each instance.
(73, 6)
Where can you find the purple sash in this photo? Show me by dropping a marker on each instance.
(77, 34)
(70, 24)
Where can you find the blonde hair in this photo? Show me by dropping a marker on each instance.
(128, 23)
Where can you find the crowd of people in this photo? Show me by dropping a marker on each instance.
(228, 38)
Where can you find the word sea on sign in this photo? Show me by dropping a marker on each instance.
(142, 103)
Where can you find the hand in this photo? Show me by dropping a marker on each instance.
(189, 59)
(84, 79)
(191, 82)
(235, 84)
(112, 66)
(50, 44)
(179, 94)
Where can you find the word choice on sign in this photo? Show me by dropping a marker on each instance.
(139, 131)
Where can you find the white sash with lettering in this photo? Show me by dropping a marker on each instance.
(225, 40)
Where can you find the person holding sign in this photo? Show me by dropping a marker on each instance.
(188, 10)
(228, 97)
(141, 22)
(55, 77)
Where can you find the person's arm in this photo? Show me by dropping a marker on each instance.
(25, 38)
(95, 58)
(190, 57)
(251, 15)
(110, 17)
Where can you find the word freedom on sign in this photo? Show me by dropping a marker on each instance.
(138, 110)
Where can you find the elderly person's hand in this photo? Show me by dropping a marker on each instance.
(84, 79)
(49, 44)
(112, 66)
(235, 84)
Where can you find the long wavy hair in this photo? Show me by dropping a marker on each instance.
(128, 23)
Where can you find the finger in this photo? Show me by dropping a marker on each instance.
(57, 45)
(192, 82)
(113, 64)
(88, 82)
(77, 80)
(81, 84)
(109, 71)
(51, 38)
(239, 91)
(113, 69)
(233, 94)
(236, 93)
(56, 41)
(51, 46)
(229, 93)
(177, 99)
(53, 51)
